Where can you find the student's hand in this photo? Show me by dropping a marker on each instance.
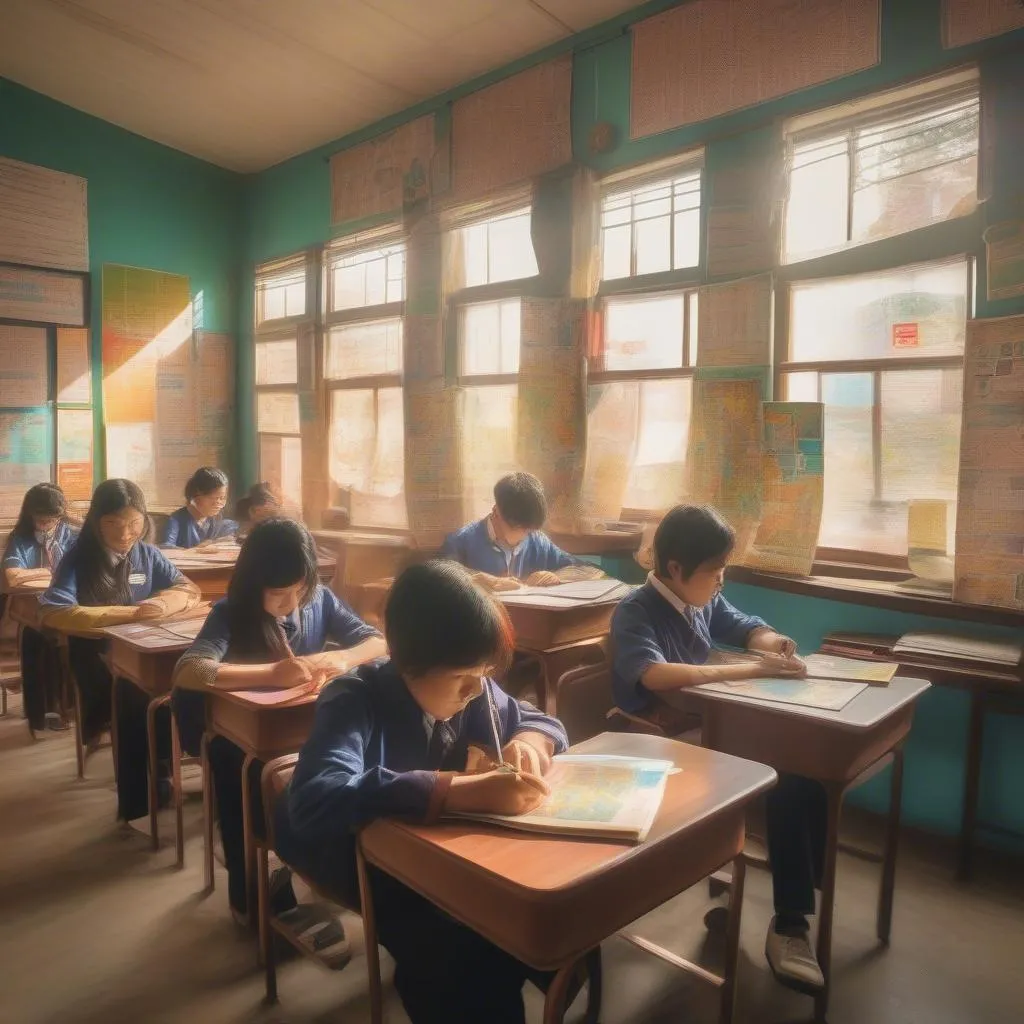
(145, 610)
(543, 578)
(497, 583)
(778, 666)
(479, 760)
(496, 792)
(292, 672)
(768, 641)
(529, 752)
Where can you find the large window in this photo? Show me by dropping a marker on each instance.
(362, 371)
(491, 257)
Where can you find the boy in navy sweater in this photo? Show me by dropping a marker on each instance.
(662, 636)
(395, 739)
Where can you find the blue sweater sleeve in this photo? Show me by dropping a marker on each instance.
(63, 589)
(173, 531)
(520, 716)
(730, 626)
(344, 627)
(635, 647)
(333, 789)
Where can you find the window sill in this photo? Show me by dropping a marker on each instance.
(882, 592)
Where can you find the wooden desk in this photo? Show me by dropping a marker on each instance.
(212, 572)
(550, 900)
(623, 540)
(560, 633)
(992, 688)
(834, 747)
(365, 557)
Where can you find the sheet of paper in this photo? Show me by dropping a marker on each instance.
(971, 648)
(74, 366)
(74, 453)
(989, 563)
(793, 488)
(831, 666)
(41, 296)
(1004, 251)
(24, 365)
(130, 454)
(44, 219)
(928, 523)
(583, 592)
(829, 695)
(735, 323)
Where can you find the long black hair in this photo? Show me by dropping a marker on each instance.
(205, 480)
(99, 583)
(41, 500)
(437, 617)
(277, 553)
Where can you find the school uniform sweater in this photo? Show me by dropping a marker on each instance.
(371, 754)
(476, 548)
(185, 531)
(648, 629)
(28, 553)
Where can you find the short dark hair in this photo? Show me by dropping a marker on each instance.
(259, 495)
(691, 535)
(437, 617)
(44, 500)
(520, 500)
(205, 480)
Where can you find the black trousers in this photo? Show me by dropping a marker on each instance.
(40, 677)
(797, 817)
(131, 706)
(92, 677)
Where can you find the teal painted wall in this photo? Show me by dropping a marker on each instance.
(149, 206)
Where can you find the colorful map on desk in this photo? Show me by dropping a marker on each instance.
(828, 695)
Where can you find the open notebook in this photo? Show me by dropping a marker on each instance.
(598, 796)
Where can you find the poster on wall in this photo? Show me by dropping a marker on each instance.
(41, 296)
(74, 453)
(23, 366)
(25, 446)
(74, 366)
(1004, 252)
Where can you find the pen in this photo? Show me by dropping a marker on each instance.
(492, 711)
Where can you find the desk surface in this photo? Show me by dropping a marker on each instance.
(155, 636)
(869, 708)
(547, 899)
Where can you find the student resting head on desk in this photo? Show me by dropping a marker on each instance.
(662, 636)
(262, 502)
(270, 632)
(200, 521)
(412, 738)
(110, 576)
(35, 547)
(508, 546)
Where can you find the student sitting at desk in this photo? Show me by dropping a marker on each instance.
(270, 632)
(662, 636)
(200, 521)
(509, 546)
(262, 502)
(395, 739)
(110, 576)
(35, 547)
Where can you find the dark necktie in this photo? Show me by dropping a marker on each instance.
(442, 739)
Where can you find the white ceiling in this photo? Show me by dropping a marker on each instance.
(248, 83)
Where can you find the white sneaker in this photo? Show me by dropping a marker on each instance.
(792, 960)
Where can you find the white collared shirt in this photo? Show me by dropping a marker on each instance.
(508, 552)
(677, 602)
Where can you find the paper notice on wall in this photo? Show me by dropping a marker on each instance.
(41, 296)
(43, 217)
(74, 366)
(25, 446)
(130, 454)
(23, 366)
(1004, 249)
(74, 453)
(735, 323)
(928, 539)
(967, 21)
(989, 560)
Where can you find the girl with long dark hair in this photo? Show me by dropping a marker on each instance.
(270, 632)
(109, 576)
(34, 549)
(201, 520)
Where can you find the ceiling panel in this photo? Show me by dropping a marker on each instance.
(248, 83)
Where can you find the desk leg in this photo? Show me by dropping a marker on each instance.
(558, 993)
(263, 915)
(972, 783)
(154, 768)
(207, 813)
(732, 942)
(248, 842)
(828, 895)
(113, 722)
(887, 889)
(179, 839)
(370, 938)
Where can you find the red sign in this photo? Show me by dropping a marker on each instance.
(905, 336)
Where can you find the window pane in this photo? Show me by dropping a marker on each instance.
(644, 334)
(364, 349)
(489, 337)
(686, 251)
(653, 245)
(615, 244)
(276, 362)
(801, 387)
(280, 296)
(920, 311)
(281, 466)
(818, 193)
(367, 455)
(277, 412)
(370, 277)
(498, 249)
(915, 171)
(488, 442)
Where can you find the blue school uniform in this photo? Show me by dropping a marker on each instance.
(149, 572)
(27, 553)
(478, 551)
(185, 531)
(648, 630)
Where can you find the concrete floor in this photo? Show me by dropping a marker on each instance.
(94, 927)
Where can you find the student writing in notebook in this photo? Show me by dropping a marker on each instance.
(107, 577)
(662, 636)
(508, 546)
(35, 547)
(200, 520)
(270, 632)
(393, 739)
